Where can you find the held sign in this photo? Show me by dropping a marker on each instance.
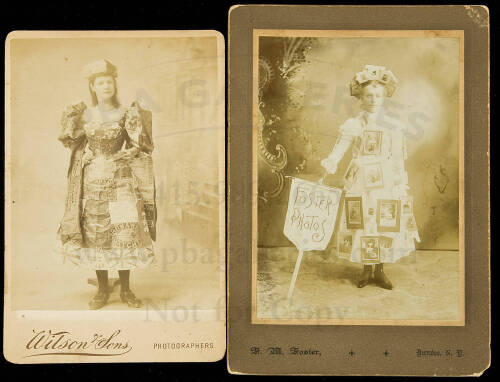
(311, 215)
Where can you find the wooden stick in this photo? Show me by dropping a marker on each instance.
(294, 277)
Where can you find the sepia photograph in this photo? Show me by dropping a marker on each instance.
(371, 142)
(354, 212)
(378, 117)
(115, 196)
(351, 174)
(388, 215)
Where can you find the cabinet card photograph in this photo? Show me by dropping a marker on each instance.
(388, 105)
(387, 108)
(115, 197)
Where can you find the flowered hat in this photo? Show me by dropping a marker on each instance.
(99, 68)
(373, 73)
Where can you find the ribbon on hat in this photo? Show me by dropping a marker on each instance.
(99, 68)
(373, 73)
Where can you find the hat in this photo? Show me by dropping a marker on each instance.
(373, 73)
(99, 68)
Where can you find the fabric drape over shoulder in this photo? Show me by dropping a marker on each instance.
(73, 136)
(138, 123)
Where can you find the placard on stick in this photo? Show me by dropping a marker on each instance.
(310, 219)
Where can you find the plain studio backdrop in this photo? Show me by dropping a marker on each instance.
(177, 79)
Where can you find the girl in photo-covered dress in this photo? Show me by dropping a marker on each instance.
(377, 213)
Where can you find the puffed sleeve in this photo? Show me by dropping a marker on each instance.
(72, 124)
(348, 131)
(138, 124)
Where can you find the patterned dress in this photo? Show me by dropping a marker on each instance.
(110, 215)
(377, 224)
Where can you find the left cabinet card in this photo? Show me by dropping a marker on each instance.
(114, 197)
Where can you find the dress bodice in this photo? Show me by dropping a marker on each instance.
(104, 130)
(373, 140)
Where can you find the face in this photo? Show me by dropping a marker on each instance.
(104, 87)
(372, 98)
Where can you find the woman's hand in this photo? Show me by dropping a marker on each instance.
(87, 157)
(126, 154)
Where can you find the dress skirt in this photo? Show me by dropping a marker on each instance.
(115, 230)
(377, 224)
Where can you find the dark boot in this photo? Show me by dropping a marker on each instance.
(126, 294)
(381, 278)
(102, 296)
(365, 277)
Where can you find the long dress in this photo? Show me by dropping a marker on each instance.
(110, 215)
(377, 224)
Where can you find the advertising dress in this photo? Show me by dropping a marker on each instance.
(109, 221)
(377, 224)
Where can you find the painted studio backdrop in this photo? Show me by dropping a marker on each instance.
(304, 98)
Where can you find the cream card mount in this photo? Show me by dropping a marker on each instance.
(115, 197)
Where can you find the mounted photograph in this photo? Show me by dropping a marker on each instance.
(358, 190)
(115, 196)
(376, 117)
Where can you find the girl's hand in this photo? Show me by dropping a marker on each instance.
(330, 167)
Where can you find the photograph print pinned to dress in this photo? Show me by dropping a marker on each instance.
(350, 175)
(344, 242)
(373, 175)
(371, 142)
(386, 247)
(388, 215)
(122, 247)
(406, 205)
(354, 212)
(410, 223)
(370, 250)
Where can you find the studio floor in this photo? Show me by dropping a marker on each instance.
(187, 276)
(426, 287)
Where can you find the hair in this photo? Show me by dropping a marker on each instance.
(114, 100)
(374, 83)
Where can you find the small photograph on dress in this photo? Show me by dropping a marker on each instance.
(386, 248)
(372, 142)
(370, 250)
(351, 174)
(354, 212)
(373, 175)
(385, 242)
(406, 205)
(410, 223)
(388, 211)
(345, 245)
